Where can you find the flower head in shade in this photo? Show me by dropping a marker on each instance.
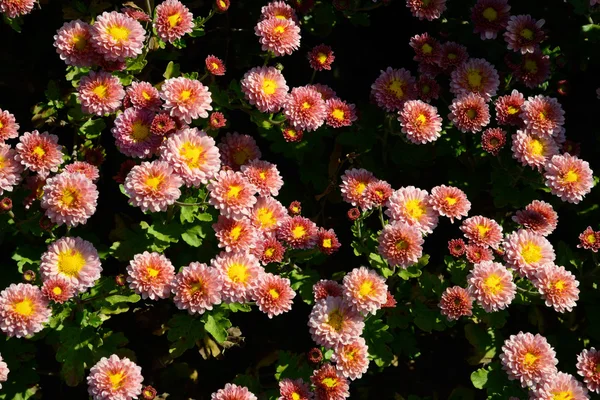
(568, 177)
(533, 150)
(240, 273)
(124, 169)
(588, 366)
(538, 217)
(339, 113)
(508, 109)
(426, 9)
(232, 194)
(365, 290)
(490, 17)
(533, 70)
(23, 310)
(115, 378)
(4, 372)
(528, 359)
(330, 384)
(144, 95)
(477, 253)
(327, 241)
(132, 133)
(173, 20)
(237, 149)
(69, 198)
(294, 390)
(152, 186)
(332, 322)
(273, 294)
(73, 43)
(449, 201)
(560, 386)
(268, 214)
(352, 359)
(186, 98)
(325, 91)
(100, 93)
(543, 115)
(526, 251)
(475, 76)
(392, 88)
(452, 55)
(265, 88)
(321, 57)
(353, 214)
(378, 193)
(411, 205)
(222, 5)
(295, 208)
(58, 289)
(305, 108)
(400, 244)
(491, 284)
(523, 33)
(15, 8)
(214, 65)
(589, 240)
(427, 49)
(90, 171)
(136, 13)
(149, 393)
(116, 36)
(456, 302)
(327, 288)
(298, 232)
(150, 275)
(193, 155)
(493, 140)
(456, 247)
(39, 152)
(216, 120)
(10, 168)
(354, 186)
(268, 250)
(9, 128)
(281, 36)
(264, 175)
(558, 287)
(420, 122)
(428, 88)
(231, 391)
(235, 235)
(469, 113)
(197, 288)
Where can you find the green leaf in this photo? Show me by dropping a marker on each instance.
(92, 128)
(117, 298)
(136, 65)
(14, 23)
(27, 257)
(188, 214)
(197, 32)
(163, 233)
(483, 342)
(184, 331)
(217, 326)
(193, 236)
(480, 378)
(204, 217)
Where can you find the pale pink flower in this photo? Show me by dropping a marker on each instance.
(332, 322)
(475, 76)
(325, 91)
(365, 290)
(264, 175)
(69, 199)
(558, 287)
(197, 288)
(400, 244)
(278, 9)
(279, 35)
(268, 214)
(15, 8)
(538, 217)
(232, 194)
(568, 177)
(39, 152)
(115, 378)
(528, 359)
(173, 20)
(588, 366)
(150, 275)
(491, 284)
(392, 88)
(490, 17)
(449, 201)
(10, 169)
(560, 386)
(237, 149)
(420, 122)
(543, 115)
(100, 93)
(410, 205)
(236, 235)
(265, 88)
(352, 359)
(116, 36)
(132, 133)
(354, 186)
(273, 294)
(523, 33)
(23, 310)
(533, 150)
(233, 392)
(240, 273)
(469, 113)
(186, 98)
(525, 252)
(152, 186)
(305, 109)
(73, 43)
(456, 302)
(9, 129)
(144, 95)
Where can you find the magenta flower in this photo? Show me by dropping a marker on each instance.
(393, 88)
(469, 113)
(475, 76)
(132, 133)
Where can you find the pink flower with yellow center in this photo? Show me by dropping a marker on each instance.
(509, 108)
(330, 384)
(449, 201)
(9, 129)
(264, 176)
(69, 199)
(265, 88)
(533, 70)
(321, 57)
(278, 35)
(354, 186)
(116, 36)
(268, 214)
(558, 387)
(240, 273)
(411, 206)
(172, 20)
(588, 366)
(152, 186)
(90, 171)
(456, 302)
(493, 140)
(490, 17)
(332, 321)
(186, 98)
(10, 169)
(197, 288)
(237, 150)
(452, 55)
(15, 8)
(428, 88)
(232, 194)
(305, 108)
(420, 122)
(378, 193)
(236, 235)
(392, 88)
(144, 95)
(214, 65)
(533, 150)
(400, 244)
(132, 133)
(543, 115)
(100, 93)
(491, 284)
(475, 76)
(279, 10)
(73, 44)
(39, 152)
(589, 240)
(538, 217)
(523, 33)
(231, 391)
(365, 290)
(115, 378)
(327, 241)
(163, 124)
(298, 232)
(477, 253)
(58, 289)
(327, 288)
(427, 49)
(150, 275)
(273, 294)
(268, 250)
(482, 230)
(568, 177)
(557, 286)
(526, 252)
(23, 310)
(528, 359)
(352, 359)
(339, 113)
(294, 390)
(426, 9)
(469, 113)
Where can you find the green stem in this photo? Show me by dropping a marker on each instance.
(381, 217)
(312, 78)
(182, 204)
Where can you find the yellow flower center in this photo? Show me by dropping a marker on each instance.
(152, 273)
(234, 191)
(119, 33)
(116, 379)
(185, 95)
(295, 396)
(490, 14)
(571, 176)
(402, 245)
(79, 42)
(421, 119)
(279, 29)
(321, 58)
(531, 253)
(69, 197)
(57, 290)
(269, 86)
(222, 4)
(395, 87)
(559, 285)
(269, 252)
(474, 77)
(196, 287)
(360, 188)
(298, 232)
(238, 273)
(366, 288)
(329, 382)
(1, 125)
(139, 131)
(214, 65)
(451, 200)
(338, 114)
(70, 262)
(274, 293)
(335, 319)
(153, 182)
(530, 359)
(241, 156)
(100, 91)
(24, 307)
(512, 110)
(591, 238)
(452, 56)
(350, 354)
(174, 20)
(471, 113)
(536, 147)
(563, 395)
(427, 49)
(265, 218)
(493, 284)
(279, 16)
(235, 233)
(192, 154)
(415, 208)
(262, 175)
(326, 243)
(145, 95)
(306, 105)
(39, 151)
(531, 66)
(527, 34)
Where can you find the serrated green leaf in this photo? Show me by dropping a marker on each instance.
(92, 128)
(193, 236)
(217, 327)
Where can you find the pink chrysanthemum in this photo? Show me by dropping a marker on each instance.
(278, 9)
(523, 33)
(321, 57)
(426, 9)
(58, 289)
(327, 288)
(186, 98)
(152, 186)
(325, 91)
(327, 241)
(378, 193)
(268, 250)
(74, 259)
(240, 273)
(116, 36)
(23, 310)
(557, 286)
(365, 290)
(273, 294)
(268, 214)
(456, 302)
(490, 17)
(491, 284)
(588, 366)
(235, 235)
(568, 177)
(330, 384)
(493, 140)
(15, 8)
(589, 240)
(427, 49)
(132, 133)
(452, 55)
(400, 244)
(543, 115)
(231, 391)
(163, 124)
(354, 186)
(476, 253)
(560, 386)
(73, 44)
(265, 88)
(144, 95)
(449, 201)
(533, 150)
(4, 372)
(294, 390)
(281, 36)
(533, 70)
(525, 252)
(456, 247)
(9, 129)
(538, 217)
(232, 194)
(39, 152)
(420, 122)
(508, 109)
(90, 171)
(214, 65)
(100, 93)
(305, 109)
(10, 168)
(222, 5)
(115, 378)
(482, 230)
(197, 288)
(237, 150)
(332, 321)
(475, 76)
(469, 113)
(428, 88)
(136, 13)
(352, 359)
(339, 113)
(150, 275)
(264, 176)
(298, 232)
(292, 135)
(173, 20)
(411, 206)
(216, 120)
(528, 359)
(392, 88)
(69, 199)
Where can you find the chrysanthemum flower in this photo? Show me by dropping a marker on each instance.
(281, 36)
(186, 98)
(264, 175)
(449, 201)
(173, 20)
(10, 168)
(457, 247)
(339, 113)
(533, 70)
(400, 244)
(232, 391)
(327, 288)
(273, 294)
(268, 250)
(267, 214)
(265, 88)
(452, 55)
(426, 9)
(560, 386)
(237, 149)
(492, 140)
(523, 33)
(23, 310)
(15, 8)
(197, 288)
(163, 124)
(325, 91)
(354, 186)
(100, 93)
(321, 57)
(136, 13)
(144, 95)
(294, 390)
(232, 194)
(327, 241)
(411, 206)
(305, 109)
(152, 186)
(456, 302)
(352, 359)
(149, 393)
(124, 169)
(558, 287)
(330, 384)
(150, 275)
(508, 109)
(365, 290)
(427, 49)
(588, 366)
(58, 289)
(589, 240)
(528, 359)
(469, 113)
(73, 44)
(477, 253)
(378, 193)
(475, 76)
(39, 152)
(533, 150)
(222, 5)
(69, 199)
(193, 155)
(490, 17)
(240, 273)
(392, 88)
(9, 129)
(420, 122)
(235, 235)
(491, 284)
(525, 252)
(117, 36)
(214, 65)
(115, 378)
(4, 372)
(538, 217)
(298, 232)
(332, 321)
(132, 133)
(90, 171)
(543, 115)
(428, 88)
(295, 208)
(568, 177)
